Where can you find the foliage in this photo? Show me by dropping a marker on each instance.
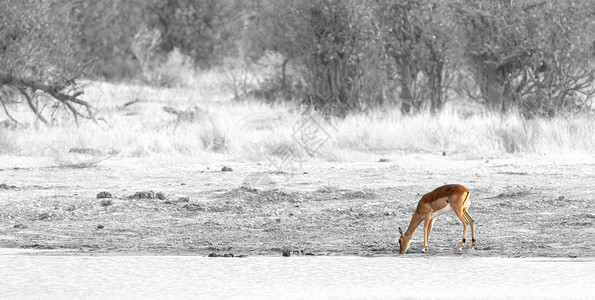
(338, 56)
(40, 59)
(38, 41)
(416, 35)
(207, 31)
(528, 54)
(335, 46)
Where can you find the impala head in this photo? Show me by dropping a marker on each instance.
(403, 242)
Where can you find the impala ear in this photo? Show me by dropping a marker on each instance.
(400, 231)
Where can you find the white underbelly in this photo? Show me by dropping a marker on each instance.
(441, 211)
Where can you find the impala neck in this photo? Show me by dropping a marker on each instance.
(415, 221)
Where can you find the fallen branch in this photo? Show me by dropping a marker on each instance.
(55, 91)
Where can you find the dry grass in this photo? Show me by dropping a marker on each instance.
(252, 131)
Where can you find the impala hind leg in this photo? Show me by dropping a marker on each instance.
(472, 222)
(463, 219)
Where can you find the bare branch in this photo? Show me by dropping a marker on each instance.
(31, 105)
(57, 92)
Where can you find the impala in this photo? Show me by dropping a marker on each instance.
(451, 197)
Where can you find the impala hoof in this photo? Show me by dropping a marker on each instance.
(423, 251)
(460, 249)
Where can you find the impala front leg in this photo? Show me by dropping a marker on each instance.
(427, 224)
(427, 228)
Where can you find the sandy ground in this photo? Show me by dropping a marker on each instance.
(523, 206)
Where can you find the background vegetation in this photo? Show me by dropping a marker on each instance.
(415, 75)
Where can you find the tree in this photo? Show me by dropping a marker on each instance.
(105, 30)
(417, 35)
(40, 59)
(205, 30)
(532, 55)
(334, 45)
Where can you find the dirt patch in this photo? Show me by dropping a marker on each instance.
(329, 210)
(514, 192)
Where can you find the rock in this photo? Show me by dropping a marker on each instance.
(103, 195)
(143, 195)
(560, 198)
(181, 198)
(100, 226)
(5, 186)
(43, 216)
(226, 169)
(106, 202)
(213, 255)
(443, 153)
(160, 196)
(309, 254)
(20, 226)
(287, 253)
(384, 160)
(71, 207)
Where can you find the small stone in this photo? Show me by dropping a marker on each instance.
(20, 226)
(560, 198)
(43, 216)
(287, 253)
(182, 198)
(100, 226)
(384, 160)
(143, 195)
(309, 254)
(226, 169)
(160, 196)
(106, 202)
(103, 195)
(443, 153)
(213, 255)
